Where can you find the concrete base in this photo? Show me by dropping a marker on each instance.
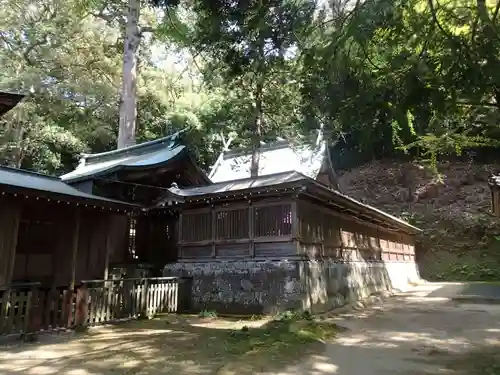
(254, 287)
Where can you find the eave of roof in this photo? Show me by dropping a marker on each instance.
(146, 155)
(21, 180)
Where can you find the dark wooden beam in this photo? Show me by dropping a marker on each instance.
(74, 248)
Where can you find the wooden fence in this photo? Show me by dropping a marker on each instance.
(29, 308)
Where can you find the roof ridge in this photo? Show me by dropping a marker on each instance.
(125, 150)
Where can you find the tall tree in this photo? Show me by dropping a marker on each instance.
(250, 46)
(419, 74)
(128, 17)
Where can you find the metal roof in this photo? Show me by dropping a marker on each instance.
(277, 179)
(274, 158)
(284, 180)
(8, 101)
(23, 179)
(144, 155)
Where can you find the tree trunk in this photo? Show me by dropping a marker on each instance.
(128, 100)
(259, 89)
(257, 131)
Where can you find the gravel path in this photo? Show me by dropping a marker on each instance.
(409, 334)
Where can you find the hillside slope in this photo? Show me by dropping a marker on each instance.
(461, 238)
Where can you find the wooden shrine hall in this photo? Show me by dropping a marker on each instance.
(287, 238)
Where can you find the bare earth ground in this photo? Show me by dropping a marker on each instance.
(408, 334)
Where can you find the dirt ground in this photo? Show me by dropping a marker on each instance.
(407, 334)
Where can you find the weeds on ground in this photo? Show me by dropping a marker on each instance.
(286, 332)
(207, 314)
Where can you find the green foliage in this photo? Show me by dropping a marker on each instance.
(384, 77)
(207, 314)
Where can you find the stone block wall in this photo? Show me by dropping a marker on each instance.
(270, 286)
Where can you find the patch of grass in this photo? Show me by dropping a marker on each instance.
(281, 342)
(207, 314)
(279, 338)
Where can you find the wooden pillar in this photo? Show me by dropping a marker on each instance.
(108, 247)
(295, 219)
(251, 229)
(74, 249)
(179, 236)
(214, 224)
(74, 252)
(10, 217)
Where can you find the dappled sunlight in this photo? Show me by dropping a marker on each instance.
(325, 368)
(401, 333)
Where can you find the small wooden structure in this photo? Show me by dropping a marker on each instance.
(54, 234)
(286, 215)
(142, 174)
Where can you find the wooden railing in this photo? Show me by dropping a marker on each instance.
(116, 300)
(15, 306)
(29, 308)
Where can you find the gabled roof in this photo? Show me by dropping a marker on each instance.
(277, 157)
(288, 180)
(145, 155)
(20, 179)
(9, 101)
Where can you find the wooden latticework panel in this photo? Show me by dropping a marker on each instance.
(231, 224)
(196, 227)
(275, 220)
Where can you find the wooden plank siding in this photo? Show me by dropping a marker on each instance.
(10, 212)
(326, 233)
(238, 230)
(36, 242)
(285, 228)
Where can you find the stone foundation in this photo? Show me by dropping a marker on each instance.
(252, 286)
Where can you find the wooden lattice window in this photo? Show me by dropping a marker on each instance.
(231, 224)
(196, 227)
(270, 221)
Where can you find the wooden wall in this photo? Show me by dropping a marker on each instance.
(9, 221)
(37, 241)
(284, 228)
(261, 228)
(156, 241)
(323, 232)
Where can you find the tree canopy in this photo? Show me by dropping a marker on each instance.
(384, 77)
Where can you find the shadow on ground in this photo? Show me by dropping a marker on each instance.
(408, 334)
(167, 345)
(472, 290)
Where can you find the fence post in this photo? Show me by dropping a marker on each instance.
(33, 318)
(4, 309)
(144, 299)
(82, 306)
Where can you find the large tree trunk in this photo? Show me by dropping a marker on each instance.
(128, 100)
(257, 131)
(259, 89)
